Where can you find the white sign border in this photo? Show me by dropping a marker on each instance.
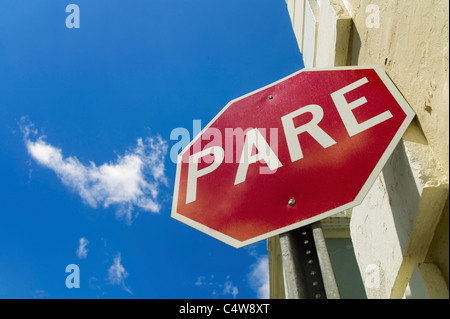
(358, 199)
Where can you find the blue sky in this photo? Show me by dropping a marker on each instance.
(85, 121)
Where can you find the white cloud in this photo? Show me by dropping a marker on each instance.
(117, 274)
(82, 250)
(259, 277)
(202, 281)
(132, 180)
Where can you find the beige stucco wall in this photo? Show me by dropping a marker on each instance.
(400, 232)
(412, 43)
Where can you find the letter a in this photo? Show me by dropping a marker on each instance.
(73, 280)
(255, 138)
(73, 19)
(373, 19)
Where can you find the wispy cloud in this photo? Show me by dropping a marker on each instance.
(40, 294)
(218, 289)
(117, 274)
(230, 288)
(82, 250)
(95, 285)
(132, 180)
(257, 278)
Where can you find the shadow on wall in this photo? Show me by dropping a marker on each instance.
(355, 45)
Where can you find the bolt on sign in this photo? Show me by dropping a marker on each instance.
(289, 154)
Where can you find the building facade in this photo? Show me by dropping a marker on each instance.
(400, 233)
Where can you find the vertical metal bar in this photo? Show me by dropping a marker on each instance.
(326, 268)
(293, 273)
(306, 266)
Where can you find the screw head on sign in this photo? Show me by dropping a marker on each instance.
(291, 202)
(270, 97)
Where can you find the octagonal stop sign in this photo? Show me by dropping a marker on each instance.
(289, 154)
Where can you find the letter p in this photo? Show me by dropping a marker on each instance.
(194, 173)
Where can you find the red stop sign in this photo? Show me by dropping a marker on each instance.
(289, 154)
